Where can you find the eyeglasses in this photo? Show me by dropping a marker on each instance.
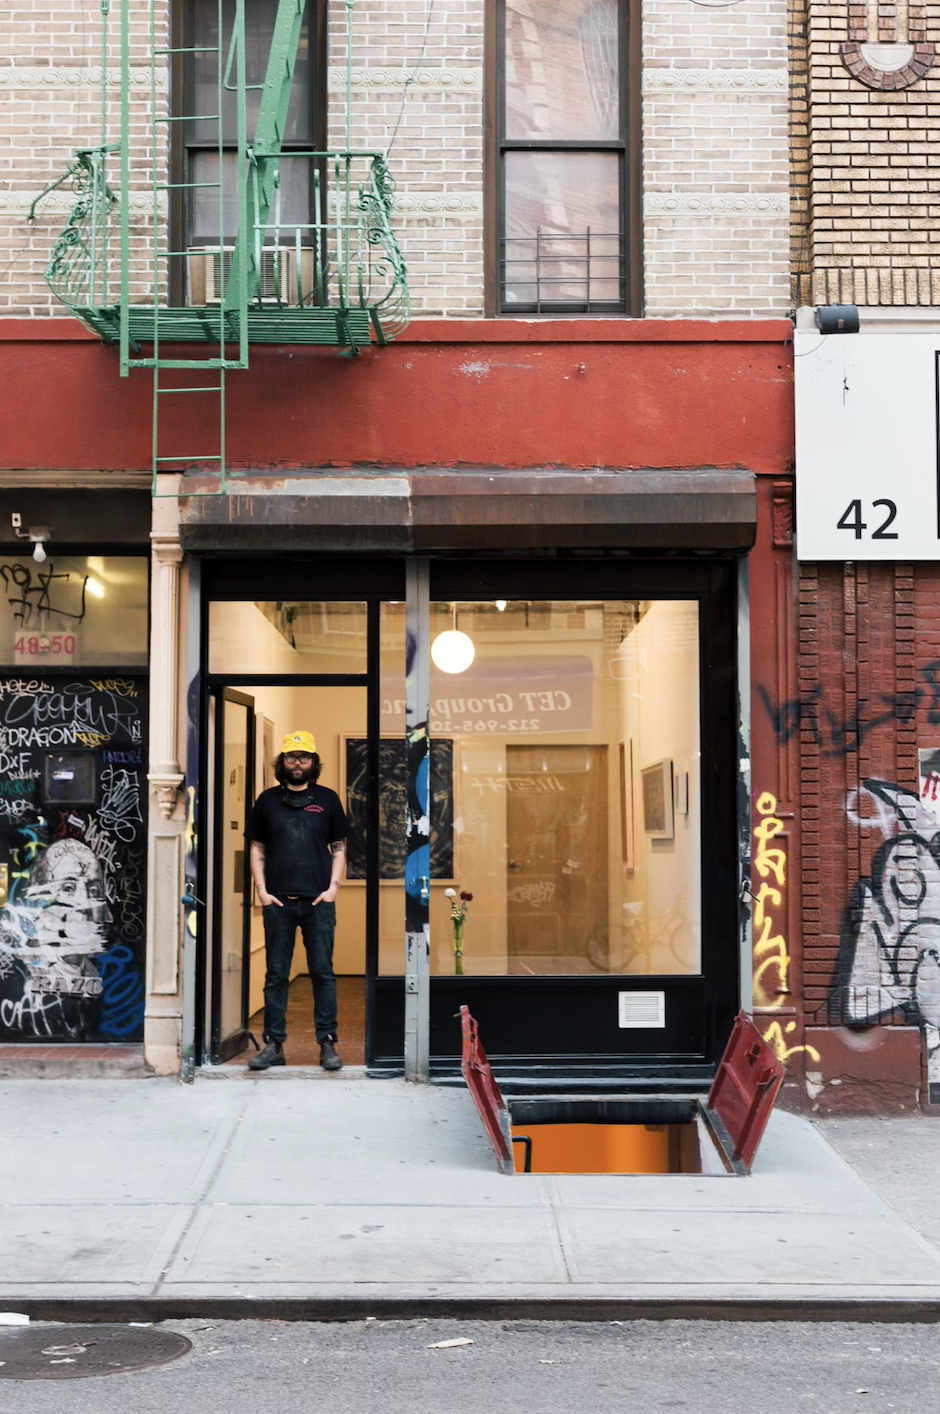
(301, 758)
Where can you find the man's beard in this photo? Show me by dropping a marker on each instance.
(299, 775)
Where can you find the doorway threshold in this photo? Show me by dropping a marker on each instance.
(230, 1071)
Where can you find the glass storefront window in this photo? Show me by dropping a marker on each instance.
(566, 788)
(80, 611)
(575, 803)
(277, 636)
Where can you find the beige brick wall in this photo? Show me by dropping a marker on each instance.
(432, 128)
(870, 235)
(714, 144)
(715, 158)
(50, 104)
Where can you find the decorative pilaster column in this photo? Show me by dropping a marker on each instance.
(165, 775)
(163, 1014)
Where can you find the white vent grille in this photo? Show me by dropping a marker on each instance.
(641, 1010)
(208, 269)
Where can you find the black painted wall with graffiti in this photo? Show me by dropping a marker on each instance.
(73, 853)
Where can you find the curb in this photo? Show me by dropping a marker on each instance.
(242, 1308)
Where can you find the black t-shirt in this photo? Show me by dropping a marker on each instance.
(296, 829)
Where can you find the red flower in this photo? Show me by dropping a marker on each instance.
(467, 898)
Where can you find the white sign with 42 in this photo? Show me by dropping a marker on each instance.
(867, 446)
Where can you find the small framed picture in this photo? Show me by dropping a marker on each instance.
(681, 790)
(658, 820)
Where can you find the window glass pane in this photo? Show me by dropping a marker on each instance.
(392, 798)
(204, 93)
(204, 210)
(563, 239)
(574, 810)
(277, 636)
(562, 69)
(73, 611)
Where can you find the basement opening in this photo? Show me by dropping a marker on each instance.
(589, 1134)
(613, 1135)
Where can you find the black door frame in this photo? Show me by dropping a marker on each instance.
(338, 581)
(710, 580)
(223, 1048)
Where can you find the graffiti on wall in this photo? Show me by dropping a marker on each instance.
(72, 859)
(771, 956)
(771, 959)
(839, 735)
(889, 953)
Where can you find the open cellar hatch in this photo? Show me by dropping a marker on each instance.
(632, 1134)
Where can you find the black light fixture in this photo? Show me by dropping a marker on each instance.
(837, 318)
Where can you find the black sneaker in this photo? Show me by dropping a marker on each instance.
(328, 1057)
(273, 1054)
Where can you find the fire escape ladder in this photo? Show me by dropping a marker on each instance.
(264, 156)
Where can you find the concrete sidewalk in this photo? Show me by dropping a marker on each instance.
(343, 1195)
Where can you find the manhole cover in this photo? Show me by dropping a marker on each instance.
(75, 1352)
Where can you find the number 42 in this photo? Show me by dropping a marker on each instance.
(852, 520)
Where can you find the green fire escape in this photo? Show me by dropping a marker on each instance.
(336, 280)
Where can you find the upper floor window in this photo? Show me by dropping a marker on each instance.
(563, 171)
(200, 215)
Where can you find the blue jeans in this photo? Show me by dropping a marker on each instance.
(316, 926)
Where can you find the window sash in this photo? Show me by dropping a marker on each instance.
(200, 140)
(596, 281)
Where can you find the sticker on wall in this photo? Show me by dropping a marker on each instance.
(929, 783)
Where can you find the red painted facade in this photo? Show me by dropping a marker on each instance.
(560, 393)
(826, 645)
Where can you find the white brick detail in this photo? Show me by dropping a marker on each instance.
(715, 80)
(457, 80)
(61, 202)
(773, 205)
(46, 77)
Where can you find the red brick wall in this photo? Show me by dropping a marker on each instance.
(868, 645)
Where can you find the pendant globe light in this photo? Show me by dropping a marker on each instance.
(453, 651)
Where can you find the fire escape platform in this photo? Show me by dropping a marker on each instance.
(324, 327)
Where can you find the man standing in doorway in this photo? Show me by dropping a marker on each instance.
(297, 840)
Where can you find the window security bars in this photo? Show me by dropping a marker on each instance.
(568, 273)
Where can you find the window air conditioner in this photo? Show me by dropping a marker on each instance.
(208, 267)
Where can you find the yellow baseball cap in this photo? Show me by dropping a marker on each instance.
(298, 741)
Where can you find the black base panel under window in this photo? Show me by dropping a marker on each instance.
(555, 1026)
(386, 1026)
(563, 1019)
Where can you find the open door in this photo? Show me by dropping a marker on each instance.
(235, 790)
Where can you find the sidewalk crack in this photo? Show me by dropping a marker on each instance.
(196, 1204)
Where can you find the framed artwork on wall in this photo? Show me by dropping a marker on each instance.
(392, 798)
(658, 820)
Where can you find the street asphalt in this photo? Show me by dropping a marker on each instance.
(358, 1195)
(376, 1367)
